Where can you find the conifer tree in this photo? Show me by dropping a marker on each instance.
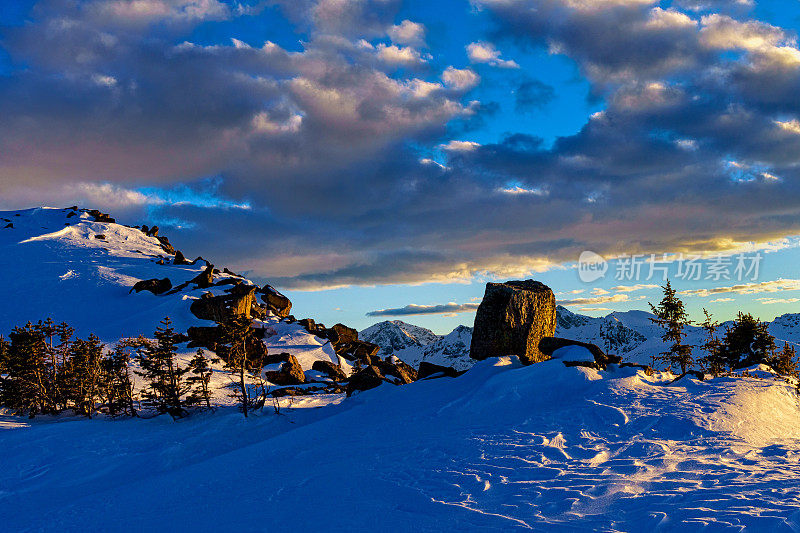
(24, 387)
(671, 315)
(118, 383)
(785, 362)
(200, 369)
(162, 372)
(747, 342)
(714, 361)
(84, 373)
(236, 332)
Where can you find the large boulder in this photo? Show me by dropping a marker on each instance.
(512, 319)
(290, 372)
(204, 279)
(238, 302)
(365, 379)
(332, 370)
(279, 304)
(397, 372)
(156, 286)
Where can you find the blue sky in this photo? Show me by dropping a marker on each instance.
(386, 154)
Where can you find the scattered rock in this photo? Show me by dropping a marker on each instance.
(427, 370)
(9, 225)
(101, 217)
(205, 279)
(166, 246)
(333, 371)
(238, 302)
(156, 286)
(180, 259)
(403, 373)
(511, 320)
(308, 324)
(341, 333)
(279, 304)
(548, 345)
(291, 373)
(72, 214)
(365, 379)
(203, 337)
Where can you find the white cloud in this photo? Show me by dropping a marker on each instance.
(460, 79)
(483, 52)
(615, 298)
(408, 32)
(460, 146)
(771, 301)
(633, 288)
(399, 55)
(778, 285)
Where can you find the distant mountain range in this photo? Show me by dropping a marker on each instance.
(631, 334)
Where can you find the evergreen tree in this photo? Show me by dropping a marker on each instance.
(200, 369)
(747, 342)
(61, 356)
(25, 384)
(671, 315)
(118, 383)
(162, 372)
(236, 333)
(83, 374)
(714, 361)
(785, 362)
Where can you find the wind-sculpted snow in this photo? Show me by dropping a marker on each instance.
(503, 447)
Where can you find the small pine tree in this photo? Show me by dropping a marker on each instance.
(162, 372)
(747, 342)
(236, 333)
(671, 315)
(785, 362)
(83, 374)
(714, 361)
(118, 382)
(25, 383)
(200, 369)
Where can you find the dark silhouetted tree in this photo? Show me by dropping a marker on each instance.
(162, 372)
(747, 342)
(672, 317)
(200, 370)
(714, 361)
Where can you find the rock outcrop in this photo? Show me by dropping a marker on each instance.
(279, 304)
(512, 319)
(290, 373)
(204, 279)
(156, 286)
(332, 370)
(238, 302)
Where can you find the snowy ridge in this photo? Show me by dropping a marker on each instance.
(64, 265)
(396, 335)
(413, 344)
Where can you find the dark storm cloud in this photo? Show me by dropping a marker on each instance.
(315, 154)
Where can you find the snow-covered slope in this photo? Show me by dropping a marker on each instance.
(501, 448)
(56, 266)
